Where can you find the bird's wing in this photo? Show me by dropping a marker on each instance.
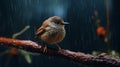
(42, 28)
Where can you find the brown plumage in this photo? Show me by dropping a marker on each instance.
(52, 30)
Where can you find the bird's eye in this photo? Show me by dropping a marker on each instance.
(56, 21)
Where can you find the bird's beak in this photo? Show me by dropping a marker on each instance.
(65, 23)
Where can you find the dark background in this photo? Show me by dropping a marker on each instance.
(81, 33)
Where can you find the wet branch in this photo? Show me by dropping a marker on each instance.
(102, 60)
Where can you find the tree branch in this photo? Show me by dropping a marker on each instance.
(102, 60)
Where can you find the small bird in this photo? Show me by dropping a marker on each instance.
(52, 31)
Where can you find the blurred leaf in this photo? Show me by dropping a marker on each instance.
(114, 53)
(26, 55)
(95, 53)
(21, 32)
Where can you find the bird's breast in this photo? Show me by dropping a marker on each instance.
(53, 36)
